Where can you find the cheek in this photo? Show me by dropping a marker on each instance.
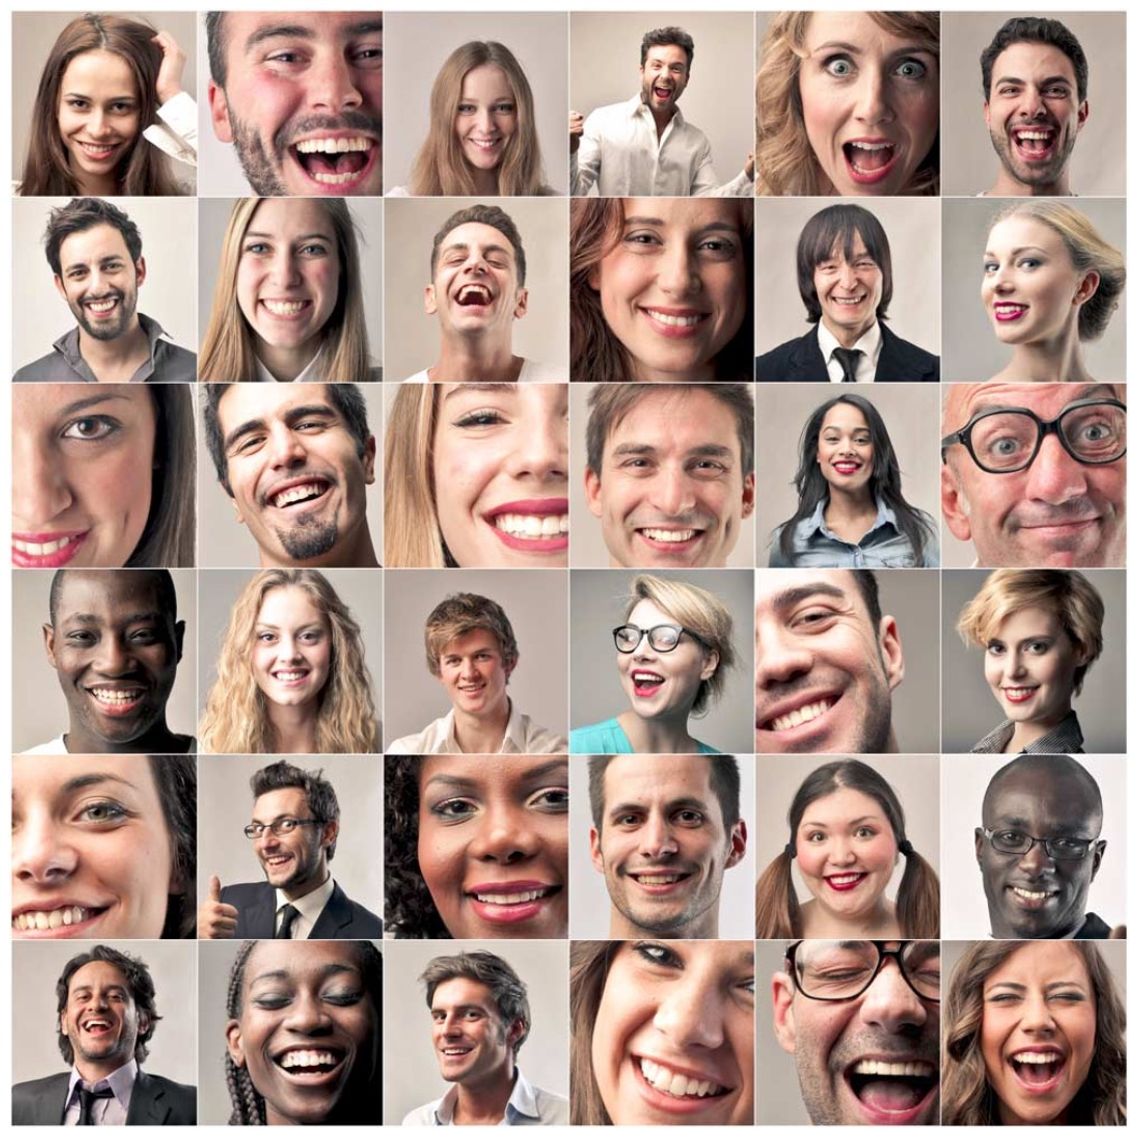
(249, 278)
(879, 855)
(725, 284)
(920, 117)
(822, 113)
(118, 490)
(994, 669)
(441, 862)
(811, 859)
(622, 278)
(323, 278)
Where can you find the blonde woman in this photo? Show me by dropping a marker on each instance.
(287, 302)
(291, 673)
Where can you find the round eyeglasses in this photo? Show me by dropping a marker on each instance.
(662, 637)
(278, 828)
(1017, 844)
(838, 970)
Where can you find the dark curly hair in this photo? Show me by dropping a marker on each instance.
(176, 778)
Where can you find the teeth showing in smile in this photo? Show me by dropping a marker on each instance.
(1009, 309)
(97, 150)
(115, 697)
(673, 321)
(289, 676)
(533, 525)
(44, 549)
(456, 1051)
(100, 306)
(285, 307)
(505, 898)
(97, 1025)
(658, 878)
(297, 493)
(333, 145)
(307, 1059)
(852, 300)
(874, 1068)
(485, 143)
(670, 536)
(1017, 694)
(800, 715)
(474, 294)
(677, 1085)
(869, 157)
(845, 878)
(1026, 894)
(1033, 1058)
(44, 921)
(647, 678)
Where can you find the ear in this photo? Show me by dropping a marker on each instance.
(63, 1024)
(890, 648)
(986, 112)
(140, 270)
(748, 500)
(369, 460)
(515, 1031)
(1098, 856)
(979, 845)
(233, 1042)
(59, 287)
(596, 850)
(329, 833)
(144, 1022)
(955, 507)
(520, 303)
(179, 638)
(593, 492)
(1082, 114)
(594, 279)
(783, 1018)
(49, 644)
(712, 662)
(430, 306)
(237, 510)
(737, 843)
(1090, 282)
(219, 113)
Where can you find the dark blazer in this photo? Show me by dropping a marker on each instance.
(155, 1100)
(341, 919)
(801, 361)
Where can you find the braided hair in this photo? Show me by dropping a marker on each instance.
(248, 1104)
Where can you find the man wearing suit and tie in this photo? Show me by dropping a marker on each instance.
(843, 268)
(106, 1018)
(294, 830)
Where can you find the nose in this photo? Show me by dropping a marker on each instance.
(113, 656)
(1015, 664)
(673, 491)
(98, 124)
(485, 121)
(644, 649)
(39, 489)
(542, 451)
(872, 105)
(677, 273)
(1055, 477)
(1035, 861)
(840, 851)
(657, 840)
(505, 836)
(1032, 104)
(848, 278)
(889, 1002)
(285, 447)
(1036, 1017)
(780, 657)
(283, 272)
(267, 840)
(288, 648)
(691, 1014)
(307, 1014)
(332, 85)
(40, 855)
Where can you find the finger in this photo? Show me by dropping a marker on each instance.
(215, 892)
(227, 911)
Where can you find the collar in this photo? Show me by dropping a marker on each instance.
(869, 343)
(310, 373)
(68, 344)
(523, 1102)
(514, 737)
(817, 523)
(1065, 738)
(121, 1082)
(312, 904)
(635, 106)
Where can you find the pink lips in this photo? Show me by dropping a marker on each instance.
(869, 177)
(58, 559)
(1007, 313)
(847, 468)
(845, 882)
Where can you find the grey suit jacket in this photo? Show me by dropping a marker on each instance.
(341, 918)
(155, 1100)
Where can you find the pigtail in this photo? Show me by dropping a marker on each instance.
(917, 905)
(777, 909)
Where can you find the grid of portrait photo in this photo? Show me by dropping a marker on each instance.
(600, 600)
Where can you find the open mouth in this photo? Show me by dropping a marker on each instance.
(845, 882)
(286, 309)
(275, 863)
(336, 162)
(486, 144)
(669, 539)
(892, 1091)
(1032, 898)
(299, 493)
(1037, 1070)
(512, 903)
(677, 1084)
(869, 160)
(1034, 143)
(456, 1052)
(1006, 312)
(35, 550)
(1018, 694)
(663, 92)
(310, 1064)
(53, 919)
(847, 467)
(117, 700)
(97, 1026)
(290, 677)
(646, 683)
(103, 306)
(849, 301)
(474, 296)
(675, 323)
(809, 712)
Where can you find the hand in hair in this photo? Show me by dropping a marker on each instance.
(169, 81)
(577, 123)
(216, 921)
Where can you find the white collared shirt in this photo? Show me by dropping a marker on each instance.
(522, 736)
(310, 373)
(870, 343)
(309, 908)
(104, 1111)
(532, 372)
(527, 1105)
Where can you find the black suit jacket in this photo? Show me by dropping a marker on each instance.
(341, 918)
(801, 361)
(155, 1100)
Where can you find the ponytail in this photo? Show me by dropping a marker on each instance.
(917, 904)
(777, 909)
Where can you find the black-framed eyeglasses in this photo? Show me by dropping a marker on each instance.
(1005, 440)
(663, 637)
(1017, 844)
(836, 971)
(279, 827)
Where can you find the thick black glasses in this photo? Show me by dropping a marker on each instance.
(836, 971)
(278, 828)
(663, 637)
(1017, 844)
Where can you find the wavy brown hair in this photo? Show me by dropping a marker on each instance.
(590, 962)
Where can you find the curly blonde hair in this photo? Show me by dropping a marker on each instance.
(236, 720)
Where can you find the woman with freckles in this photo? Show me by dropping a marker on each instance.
(1033, 1035)
(1050, 282)
(476, 476)
(847, 104)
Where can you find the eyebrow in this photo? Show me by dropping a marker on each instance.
(93, 401)
(840, 45)
(328, 969)
(300, 237)
(1048, 79)
(676, 803)
(88, 987)
(465, 246)
(790, 597)
(88, 619)
(852, 821)
(85, 781)
(486, 388)
(289, 417)
(712, 226)
(996, 403)
(1021, 249)
(1022, 988)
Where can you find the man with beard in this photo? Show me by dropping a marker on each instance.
(295, 459)
(644, 147)
(95, 253)
(106, 1018)
(861, 1019)
(296, 820)
(301, 97)
(1035, 78)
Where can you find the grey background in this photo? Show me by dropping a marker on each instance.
(411, 1071)
(224, 543)
(972, 352)
(39, 710)
(219, 590)
(969, 709)
(413, 337)
(778, 1100)
(910, 411)
(418, 43)
(912, 226)
(535, 603)
(587, 545)
(34, 33)
(226, 806)
(969, 162)
(605, 53)
(914, 778)
(37, 966)
(589, 899)
(213, 215)
(598, 605)
(964, 782)
(168, 227)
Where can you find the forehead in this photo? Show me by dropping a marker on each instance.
(242, 402)
(780, 590)
(843, 803)
(647, 614)
(98, 973)
(484, 78)
(844, 414)
(669, 53)
(1028, 60)
(1048, 798)
(838, 251)
(1045, 400)
(676, 420)
(103, 593)
(479, 640)
(1020, 231)
(300, 961)
(463, 992)
(105, 71)
(244, 31)
(477, 235)
(94, 244)
(1050, 961)
(636, 779)
(289, 800)
(289, 216)
(289, 603)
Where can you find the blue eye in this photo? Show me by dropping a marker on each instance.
(840, 66)
(911, 69)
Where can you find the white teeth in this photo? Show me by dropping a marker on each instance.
(332, 179)
(892, 1069)
(1025, 894)
(505, 898)
(114, 697)
(647, 677)
(1019, 692)
(673, 321)
(670, 536)
(456, 1051)
(852, 300)
(481, 293)
(533, 524)
(1035, 135)
(485, 144)
(285, 307)
(1033, 1058)
(43, 921)
(800, 715)
(101, 305)
(674, 1084)
(657, 878)
(97, 150)
(871, 146)
(306, 1059)
(845, 878)
(333, 145)
(296, 493)
(290, 676)
(44, 549)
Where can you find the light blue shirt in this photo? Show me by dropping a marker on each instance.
(527, 1105)
(609, 738)
(104, 1111)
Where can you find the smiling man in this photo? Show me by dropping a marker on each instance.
(294, 830)
(861, 1019)
(301, 97)
(1035, 79)
(95, 253)
(665, 829)
(843, 268)
(106, 1018)
(1034, 474)
(1039, 850)
(471, 649)
(670, 471)
(480, 1019)
(295, 460)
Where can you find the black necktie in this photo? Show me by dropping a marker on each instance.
(87, 1099)
(288, 915)
(848, 359)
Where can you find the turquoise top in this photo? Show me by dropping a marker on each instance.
(609, 738)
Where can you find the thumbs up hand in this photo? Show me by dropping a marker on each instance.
(216, 921)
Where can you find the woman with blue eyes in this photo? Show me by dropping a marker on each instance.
(291, 676)
(476, 846)
(1033, 1034)
(288, 305)
(290, 1002)
(1050, 282)
(1041, 630)
(660, 289)
(663, 1032)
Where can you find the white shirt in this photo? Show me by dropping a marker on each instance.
(310, 373)
(54, 746)
(309, 908)
(532, 372)
(620, 153)
(522, 737)
(527, 1105)
(104, 1111)
(177, 133)
(870, 343)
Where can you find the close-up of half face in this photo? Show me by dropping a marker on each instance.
(869, 99)
(292, 649)
(674, 1033)
(493, 844)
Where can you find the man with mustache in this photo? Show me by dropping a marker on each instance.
(95, 253)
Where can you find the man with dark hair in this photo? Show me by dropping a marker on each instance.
(644, 147)
(115, 641)
(294, 829)
(477, 292)
(95, 253)
(843, 269)
(480, 1019)
(1035, 80)
(295, 459)
(105, 1018)
(301, 97)
(665, 829)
